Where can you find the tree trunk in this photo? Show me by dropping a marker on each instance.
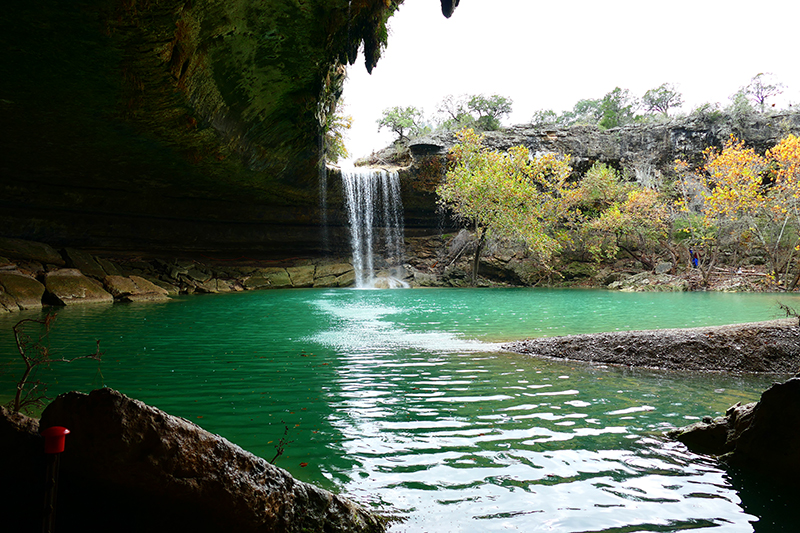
(476, 260)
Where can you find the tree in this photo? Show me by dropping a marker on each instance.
(489, 110)
(762, 195)
(544, 117)
(403, 121)
(336, 126)
(505, 194)
(662, 99)
(455, 112)
(584, 112)
(617, 109)
(611, 215)
(761, 88)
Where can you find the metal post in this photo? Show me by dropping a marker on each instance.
(54, 438)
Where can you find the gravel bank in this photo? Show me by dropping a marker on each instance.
(772, 346)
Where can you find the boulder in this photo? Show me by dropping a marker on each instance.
(347, 279)
(149, 471)
(109, 268)
(7, 303)
(84, 262)
(134, 289)
(302, 276)
(327, 281)
(67, 286)
(35, 251)
(119, 286)
(23, 290)
(763, 437)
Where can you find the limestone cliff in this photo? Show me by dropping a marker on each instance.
(173, 124)
(645, 151)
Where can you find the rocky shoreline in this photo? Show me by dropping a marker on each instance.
(769, 347)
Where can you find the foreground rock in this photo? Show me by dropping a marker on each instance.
(762, 436)
(772, 346)
(131, 467)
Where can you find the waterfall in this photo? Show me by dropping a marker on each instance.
(375, 215)
(323, 195)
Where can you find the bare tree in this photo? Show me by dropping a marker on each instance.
(36, 354)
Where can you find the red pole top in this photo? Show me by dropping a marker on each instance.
(54, 439)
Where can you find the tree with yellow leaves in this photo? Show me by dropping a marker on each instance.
(611, 215)
(760, 194)
(509, 194)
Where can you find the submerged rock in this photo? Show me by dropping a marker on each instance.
(128, 466)
(762, 436)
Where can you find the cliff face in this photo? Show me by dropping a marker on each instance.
(646, 151)
(173, 124)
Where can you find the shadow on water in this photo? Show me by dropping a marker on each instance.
(774, 501)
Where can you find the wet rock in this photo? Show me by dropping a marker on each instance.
(68, 286)
(23, 291)
(762, 437)
(348, 279)
(335, 270)
(126, 453)
(134, 289)
(425, 279)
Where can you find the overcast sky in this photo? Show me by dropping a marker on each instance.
(550, 54)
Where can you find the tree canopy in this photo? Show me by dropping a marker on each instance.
(403, 121)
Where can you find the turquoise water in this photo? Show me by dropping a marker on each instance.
(403, 401)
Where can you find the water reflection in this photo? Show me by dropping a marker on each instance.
(396, 398)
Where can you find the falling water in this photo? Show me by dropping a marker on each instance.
(375, 215)
(323, 195)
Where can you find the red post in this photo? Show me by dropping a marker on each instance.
(54, 438)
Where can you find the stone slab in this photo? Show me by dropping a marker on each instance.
(68, 286)
(25, 291)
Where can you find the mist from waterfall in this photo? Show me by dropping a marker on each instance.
(375, 214)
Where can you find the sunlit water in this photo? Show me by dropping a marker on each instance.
(403, 401)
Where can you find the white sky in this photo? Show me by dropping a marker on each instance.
(549, 54)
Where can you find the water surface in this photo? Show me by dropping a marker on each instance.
(403, 401)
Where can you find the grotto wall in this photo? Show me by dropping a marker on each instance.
(180, 125)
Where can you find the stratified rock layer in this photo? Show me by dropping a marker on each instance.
(172, 125)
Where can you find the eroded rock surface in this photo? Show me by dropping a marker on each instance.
(762, 436)
(149, 471)
(772, 346)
